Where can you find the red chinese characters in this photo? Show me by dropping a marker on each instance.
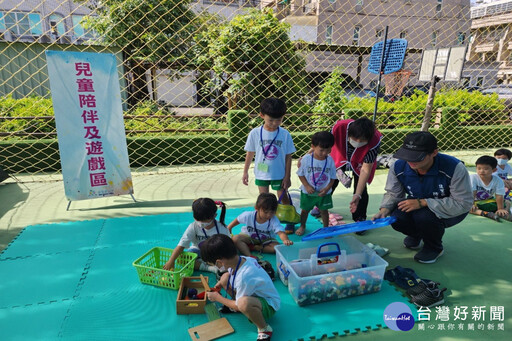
(90, 117)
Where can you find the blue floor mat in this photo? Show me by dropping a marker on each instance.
(77, 281)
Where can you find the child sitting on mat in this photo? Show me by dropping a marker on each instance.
(204, 226)
(260, 227)
(317, 174)
(488, 190)
(252, 290)
(503, 170)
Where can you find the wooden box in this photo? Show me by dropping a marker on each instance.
(191, 306)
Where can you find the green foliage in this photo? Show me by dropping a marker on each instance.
(253, 58)
(148, 30)
(26, 107)
(332, 98)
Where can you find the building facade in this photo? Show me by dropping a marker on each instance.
(490, 52)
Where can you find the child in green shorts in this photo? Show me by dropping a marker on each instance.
(250, 287)
(271, 147)
(317, 174)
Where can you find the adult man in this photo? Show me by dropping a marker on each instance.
(427, 192)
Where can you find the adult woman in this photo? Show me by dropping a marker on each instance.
(356, 145)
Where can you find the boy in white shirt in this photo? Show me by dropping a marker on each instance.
(272, 147)
(503, 170)
(488, 190)
(250, 287)
(317, 173)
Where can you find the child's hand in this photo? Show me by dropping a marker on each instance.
(323, 192)
(169, 265)
(286, 183)
(502, 212)
(310, 189)
(245, 179)
(287, 242)
(213, 296)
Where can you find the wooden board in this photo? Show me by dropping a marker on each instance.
(211, 330)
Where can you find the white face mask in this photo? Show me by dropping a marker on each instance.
(502, 162)
(203, 224)
(222, 268)
(356, 144)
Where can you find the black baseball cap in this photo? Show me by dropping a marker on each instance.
(416, 146)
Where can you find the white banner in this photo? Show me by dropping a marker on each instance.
(90, 128)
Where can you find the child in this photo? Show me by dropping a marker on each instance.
(488, 186)
(504, 170)
(317, 174)
(260, 228)
(252, 290)
(204, 226)
(273, 147)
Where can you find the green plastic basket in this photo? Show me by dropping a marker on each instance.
(149, 268)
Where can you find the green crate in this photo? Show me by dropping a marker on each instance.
(149, 268)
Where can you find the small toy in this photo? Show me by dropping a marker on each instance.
(192, 293)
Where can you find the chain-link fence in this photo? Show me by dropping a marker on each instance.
(193, 73)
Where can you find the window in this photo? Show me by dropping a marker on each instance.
(379, 33)
(57, 25)
(355, 39)
(461, 38)
(479, 81)
(465, 82)
(433, 41)
(439, 6)
(328, 35)
(80, 31)
(403, 34)
(21, 24)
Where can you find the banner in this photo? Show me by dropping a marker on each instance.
(90, 129)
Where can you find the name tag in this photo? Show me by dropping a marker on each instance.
(262, 167)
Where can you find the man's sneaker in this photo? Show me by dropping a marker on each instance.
(428, 256)
(422, 286)
(412, 243)
(264, 336)
(429, 298)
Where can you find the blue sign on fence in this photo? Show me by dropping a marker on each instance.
(394, 55)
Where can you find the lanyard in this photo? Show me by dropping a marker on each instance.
(256, 229)
(270, 145)
(313, 171)
(216, 227)
(234, 276)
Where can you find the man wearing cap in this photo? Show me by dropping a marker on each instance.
(427, 192)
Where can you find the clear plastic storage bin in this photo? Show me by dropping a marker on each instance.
(325, 270)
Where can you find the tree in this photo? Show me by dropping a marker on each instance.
(149, 32)
(332, 98)
(252, 58)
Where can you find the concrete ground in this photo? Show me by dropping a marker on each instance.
(39, 199)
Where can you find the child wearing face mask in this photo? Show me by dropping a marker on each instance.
(503, 170)
(260, 227)
(204, 226)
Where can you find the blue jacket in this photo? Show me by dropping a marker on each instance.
(434, 184)
(446, 187)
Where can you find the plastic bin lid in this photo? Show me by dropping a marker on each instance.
(331, 231)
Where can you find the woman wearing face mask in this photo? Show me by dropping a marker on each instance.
(204, 226)
(356, 145)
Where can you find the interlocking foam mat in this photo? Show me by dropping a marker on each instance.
(75, 280)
